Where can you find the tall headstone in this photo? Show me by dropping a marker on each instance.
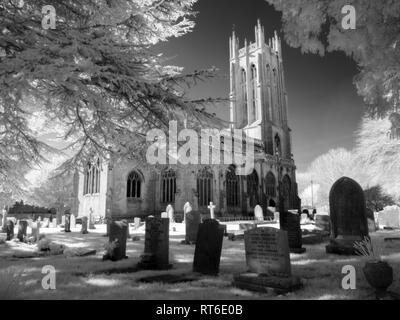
(208, 249)
(63, 220)
(258, 213)
(91, 220)
(211, 207)
(22, 227)
(4, 220)
(268, 262)
(348, 216)
(192, 222)
(84, 225)
(136, 222)
(170, 213)
(10, 230)
(292, 226)
(54, 222)
(35, 231)
(73, 221)
(117, 240)
(186, 208)
(156, 245)
(67, 226)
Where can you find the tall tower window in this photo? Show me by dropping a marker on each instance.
(253, 84)
(243, 89)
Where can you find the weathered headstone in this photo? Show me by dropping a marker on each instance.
(186, 208)
(117, 241)
(292, 226)
(84, 225)
(90, 220)
(323, 222)
(156, 245)
(211, 207)
(348, 216)
(35, 231)
(389, 217)
(10, 230)
(136, 222)
(67, 225)
(268, 262)
(170, 213)
(192, 222)
(73, 221)
(258, 213)
(22, 227)
(63, 220)
(164, 215)
(276, 216)
(207, 253)
(54, 222)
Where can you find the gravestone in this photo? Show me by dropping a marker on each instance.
(186, 208)
(90, 220)
(211, 207)
(35, 231)
(63, 220)
(207, 253)
(67, 225)
(22, 227)
(10, 230)
(268, 262)
(54, 223)
(73, 221)
(292, 226)
(348, 216)
(136, 222)
(192, 222)
(276, 216)
(117, 241)
(389, 217)
(170, 213)
(84, 225)
(164, 215)
(156, 245)
(258, 213)
(3, 219)
(304, 218)
(323, 222)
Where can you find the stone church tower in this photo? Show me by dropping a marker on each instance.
(125, 188)
(258, 94)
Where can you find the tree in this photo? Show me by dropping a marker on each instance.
(376, 199)
(316, 26)
(94, 76)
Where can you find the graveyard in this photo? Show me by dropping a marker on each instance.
(90, 277)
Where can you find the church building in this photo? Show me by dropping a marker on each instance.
(258, 106)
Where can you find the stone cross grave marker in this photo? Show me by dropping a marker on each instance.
(258, 213)
(348, 216)
(22, 227)
(211, 207)
(268, 262)
(208, 249)
(156, 245)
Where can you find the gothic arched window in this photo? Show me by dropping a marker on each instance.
(270, 185)
(204, 187)
(91, 184)
(168, 186)
(253, 107)
(232, 188)
(243, 89)
(278, 147)
(252, 188)
(133, 185)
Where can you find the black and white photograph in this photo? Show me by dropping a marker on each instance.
(199, 150)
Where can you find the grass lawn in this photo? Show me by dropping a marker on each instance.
(87, 277)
